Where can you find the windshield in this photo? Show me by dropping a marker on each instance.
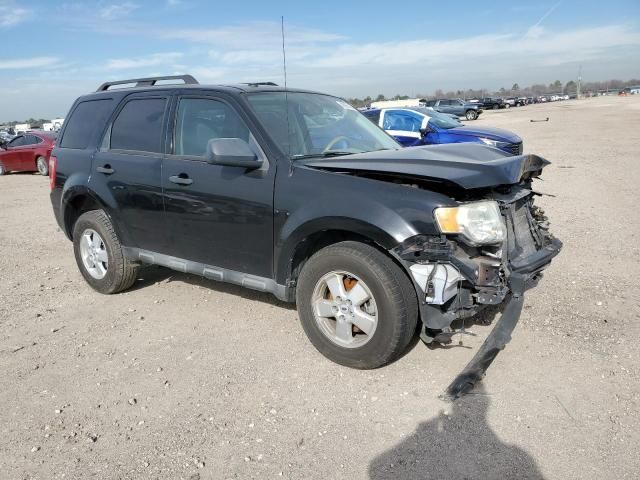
(318, 125)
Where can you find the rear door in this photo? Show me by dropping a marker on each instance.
(217, 215)
(444, 106)
(127, 169)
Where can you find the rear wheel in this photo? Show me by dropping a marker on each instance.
(357, 307)
(99, 254)
(42, 166)
(471, 114)
(2, 170)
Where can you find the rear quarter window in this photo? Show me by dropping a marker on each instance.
(86, 119)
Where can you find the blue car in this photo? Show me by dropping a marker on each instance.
(412, 126)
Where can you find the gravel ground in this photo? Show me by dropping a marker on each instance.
(185, 378)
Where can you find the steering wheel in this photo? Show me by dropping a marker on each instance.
(332, 143)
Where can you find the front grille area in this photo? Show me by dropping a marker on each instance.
(524, 236)
(516, 148)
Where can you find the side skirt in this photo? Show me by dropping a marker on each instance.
(211, 272)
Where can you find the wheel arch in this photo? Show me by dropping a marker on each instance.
(79, 200)
(311, 237)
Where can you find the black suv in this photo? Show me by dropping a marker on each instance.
(298, 194)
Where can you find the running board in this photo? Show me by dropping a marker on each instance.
(211, 272)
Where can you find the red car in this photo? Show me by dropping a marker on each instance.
(27, 153)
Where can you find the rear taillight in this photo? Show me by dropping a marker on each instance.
(53, 161)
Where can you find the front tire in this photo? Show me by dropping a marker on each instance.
(471, 115)
(42, 166)
(99, 254)
(357, 307)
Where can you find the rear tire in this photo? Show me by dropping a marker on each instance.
(392, 303)
(101, 262)
(3, 170)
(471, 114)
(42, 166)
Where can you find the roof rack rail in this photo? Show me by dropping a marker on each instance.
(260, 84)
(147, 82)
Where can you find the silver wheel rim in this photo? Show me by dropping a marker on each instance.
(344, 309)
(93, 252)
(42, 167)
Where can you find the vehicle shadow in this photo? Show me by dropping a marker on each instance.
(456, 445)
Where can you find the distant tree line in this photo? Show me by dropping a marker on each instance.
(536, 89)
(30, 121)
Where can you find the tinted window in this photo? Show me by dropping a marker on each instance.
(402, 120)
(33, 140)
(200, 120)
(374, 116)
(18, 142)
(445, 102)
(430, 103)
(139, 126)
(86, 119)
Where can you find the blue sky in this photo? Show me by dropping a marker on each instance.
(56, 51)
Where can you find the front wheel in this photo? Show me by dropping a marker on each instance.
(357, 307)
(99, 254)
(42, 166)
(471, 115)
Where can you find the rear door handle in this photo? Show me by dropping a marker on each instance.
(107, 170)
(181, 179)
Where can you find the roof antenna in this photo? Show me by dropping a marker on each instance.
(284, 53)
(286, 94)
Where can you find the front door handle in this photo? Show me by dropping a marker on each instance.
(181, 179)
(107, 170)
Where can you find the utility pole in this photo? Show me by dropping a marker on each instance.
(579, 81)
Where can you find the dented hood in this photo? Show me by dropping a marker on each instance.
(467, 165)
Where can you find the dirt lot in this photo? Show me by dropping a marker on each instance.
(182, 377)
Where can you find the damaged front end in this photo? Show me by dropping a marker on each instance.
(471, 266)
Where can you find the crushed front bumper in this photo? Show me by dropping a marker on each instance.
(478, 281)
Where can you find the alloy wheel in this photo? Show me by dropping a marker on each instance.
(94, 255)
(345, 309)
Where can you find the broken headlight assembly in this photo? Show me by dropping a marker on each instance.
(479, 222)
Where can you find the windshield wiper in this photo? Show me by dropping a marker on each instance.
(332, 153)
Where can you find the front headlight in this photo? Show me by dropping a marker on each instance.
(480, 222)
(493, 143)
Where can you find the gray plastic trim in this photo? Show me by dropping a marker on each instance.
(211, 272)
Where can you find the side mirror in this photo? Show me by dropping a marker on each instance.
(232, 152)
(424, 131)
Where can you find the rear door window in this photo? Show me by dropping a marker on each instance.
(85, 122)
(138, 126)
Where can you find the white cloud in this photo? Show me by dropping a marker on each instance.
(156, 59)
(12, 14)
(34, 62)
(262, 35)
(117, 10)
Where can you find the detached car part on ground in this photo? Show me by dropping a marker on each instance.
(413, 126)
(296, 193)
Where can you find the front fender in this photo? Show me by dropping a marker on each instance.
(310, 201)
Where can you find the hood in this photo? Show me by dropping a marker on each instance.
(468, 165)
(487, 132)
